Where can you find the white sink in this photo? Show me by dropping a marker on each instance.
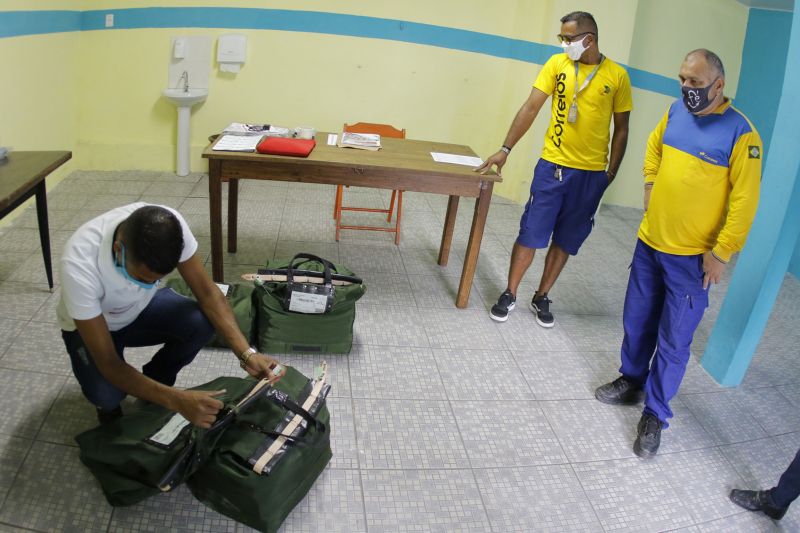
(184, 98)
(183, 101)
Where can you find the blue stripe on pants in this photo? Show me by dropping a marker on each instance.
(664, 303)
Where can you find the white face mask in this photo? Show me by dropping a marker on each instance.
(575, 49)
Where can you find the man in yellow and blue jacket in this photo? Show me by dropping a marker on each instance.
(702, 175)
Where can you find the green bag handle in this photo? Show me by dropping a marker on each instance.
(324, 262)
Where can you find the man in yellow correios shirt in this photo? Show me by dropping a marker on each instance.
(702, 174)
(587, 90)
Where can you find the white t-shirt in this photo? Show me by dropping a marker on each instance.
(90, 285)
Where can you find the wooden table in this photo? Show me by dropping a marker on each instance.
(22, 175)
(402, 164)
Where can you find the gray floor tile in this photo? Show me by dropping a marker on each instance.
(386, 288)
(702, 479)
(333, 505)
(759, 463)
(171, 511)
(12, 453)
(38, 347)
(408, 434)
(9, 329)
(723, 416)
(632, 495)
(507, 434)
(343, 433)
(538, 498)
(10, 261)
(440, 291)
(384, 372)
(521, 333)
(560, 375)
(591, 332)
(55, 492)
(326, 250)
(592, 431)
(744, 522)
(25, 400)
(425, 387)
(773, 412)
(21, 301)
(425, 262)
(371, 258)
(481, 375)
(423, 500)
(70, 415)
(446, 328)
(389, 326)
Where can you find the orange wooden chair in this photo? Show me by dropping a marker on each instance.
(384, 130)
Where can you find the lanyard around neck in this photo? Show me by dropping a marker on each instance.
(588, 78)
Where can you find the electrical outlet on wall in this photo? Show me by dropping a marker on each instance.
(109, 20)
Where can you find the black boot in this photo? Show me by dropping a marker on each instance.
(621, 391)
(757, 500)
(649, 439)
(104, 416)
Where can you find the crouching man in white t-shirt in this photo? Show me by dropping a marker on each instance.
(110, 299)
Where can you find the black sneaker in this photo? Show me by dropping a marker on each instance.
(104, 416)
(541, 306)
(649, 439)
(505, 304)
(758, 500)
(621, 391)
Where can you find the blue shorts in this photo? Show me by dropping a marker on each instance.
(562, 208)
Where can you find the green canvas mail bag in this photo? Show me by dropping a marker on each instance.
(240, 297)
(310, 308)
(153, 449)
(267, 461)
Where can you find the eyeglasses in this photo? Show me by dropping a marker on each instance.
(572, 38)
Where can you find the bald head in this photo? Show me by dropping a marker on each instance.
(712, 61)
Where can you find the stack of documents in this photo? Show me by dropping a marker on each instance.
(362, 141)
(238, 143)
(258, 130)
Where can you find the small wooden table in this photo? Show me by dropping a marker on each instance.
(402, 164)
(22, 175)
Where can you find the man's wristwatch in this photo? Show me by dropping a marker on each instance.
(245, 356)
(506, 149)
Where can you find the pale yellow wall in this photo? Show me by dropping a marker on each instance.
(38, 91)
(109, 81)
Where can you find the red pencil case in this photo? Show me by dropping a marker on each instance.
(286, 146)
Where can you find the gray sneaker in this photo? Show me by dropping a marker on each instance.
(505, 304)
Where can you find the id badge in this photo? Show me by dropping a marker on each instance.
(572, 116)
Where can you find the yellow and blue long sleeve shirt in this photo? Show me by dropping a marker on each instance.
(706, 175)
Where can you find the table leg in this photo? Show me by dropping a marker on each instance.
(474, 244)
(44, 230)
(447, 232)
(233, 213)
(215, 210)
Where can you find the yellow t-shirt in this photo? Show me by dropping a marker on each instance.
(584, 143)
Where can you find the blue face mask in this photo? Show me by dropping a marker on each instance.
(124, 271)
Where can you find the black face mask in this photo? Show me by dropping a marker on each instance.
(696, 99)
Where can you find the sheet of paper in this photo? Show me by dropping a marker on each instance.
(237, 143)
(465, 160)
(333, 139)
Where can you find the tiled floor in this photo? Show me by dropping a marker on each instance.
(442, 419)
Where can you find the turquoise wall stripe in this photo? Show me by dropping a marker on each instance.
(16, 23)
(763, 66)
(315, 22)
